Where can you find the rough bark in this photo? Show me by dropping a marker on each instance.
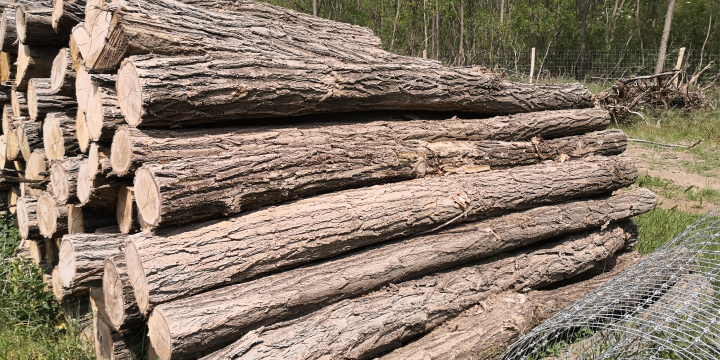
(109, 344)
(327, 225)
(33, 62)
(238, 180)
(63, 294)
(29, 138)
(82, 256)
(34, 26)
(484, 332)
(52, 217)
(88, 220)
(242, 307)
(62, 76)
(19, 105)
(120, 305)
(103, 114)
(132, 147)
(59, 136)
(42, 101)
(98, 191)
(367, 326)
(67, 14)
(8, 33)
(27, 218)
(208, 89)
(127, 211)
(63, 177)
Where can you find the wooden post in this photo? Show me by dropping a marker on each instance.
(314, 7)
(532, 64)
(681, 55)
(424, 54)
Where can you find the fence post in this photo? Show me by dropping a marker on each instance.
(532, 64)
(679, 64)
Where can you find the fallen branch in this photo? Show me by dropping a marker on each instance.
(667, 144)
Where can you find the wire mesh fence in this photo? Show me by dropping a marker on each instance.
(665, 307)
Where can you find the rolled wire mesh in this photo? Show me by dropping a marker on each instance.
(667, 306)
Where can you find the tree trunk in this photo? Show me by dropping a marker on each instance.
(67, 14)
(27, 218)
(583, 13)
(288, 294)
(127, 211)
(19, 105)
(502, 11)
(82, 256)
(665, 37)
(98, 191)
(35, 27)
(59, 136)
(291, 234)
(483, 333)
(367, 326)
(42, 101)
(216, 89)
(461, 51)
(52, 217)
(109, 344)
(314, 4)
(63, 294)
(28, 136)
(132, 147)
(639, 32)
(167, 192)
(103, 114)
(120, 304)
(88, 220)
(8, 32)
(62, 76)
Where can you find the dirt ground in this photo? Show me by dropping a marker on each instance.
(669, 164)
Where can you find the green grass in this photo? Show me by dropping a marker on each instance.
(659, 226)
(670, 190)
(32, 324)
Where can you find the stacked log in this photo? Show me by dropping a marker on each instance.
(322, 176)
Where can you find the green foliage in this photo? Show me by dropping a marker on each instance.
(32, 324)
(659, 226)
(670, 190)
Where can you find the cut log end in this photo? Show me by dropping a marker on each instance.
(23, 61)
(83, 86)
(12, 142)
(32, 100)
(57, 284)
(100, 24)
(35, 169)
(147, 197)
(129, 93)
(103, 338)
(60, 64)
(160, 335)
(84, 183)
(12, 198)
(67, 262)
(23, 218)
(93, 160)
(53, 141)
(79, 44)
(124, 211)
(46, 214)
(17, 101)
(94, 114)
(137, 277)
(3, 151)
(57, 13)
(81, 131)
(20, 22)
(113, 293)
(3, 27)
(76, 220)
(121, 152)
(59, 181)
(5, 69)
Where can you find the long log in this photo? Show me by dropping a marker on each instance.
(52, 217)
(103, 114)
(484, 333)
(120, 305)
(67, 14)
(222, 89)
(132, 147)
(59, 136)
(33, 62)
(62, 76)
(8, 33)
(29, 137)
(98, 191)
(82, 256)
(27, 218)
(287, 294)
(42, 100)
(88, 220)
(367, 326)
(34, 26)
(327, 225)
(19, 105)
(63, 177)
(127, 211)
(167, 191)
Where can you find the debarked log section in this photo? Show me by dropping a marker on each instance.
(209, 89)
(242, 307)
(367, 326)
(247, 177)
(132, 147)
(274, 238)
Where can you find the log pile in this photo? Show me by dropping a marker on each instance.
(282, 187)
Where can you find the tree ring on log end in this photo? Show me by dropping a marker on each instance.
(136, 273)
(83, 84)
(81, 131)
(13, 145)
(84, 183)
(46, 215)
(57, 284)
(113, 293)
(99, 30)
(94, 114)
(16, 108)
(67, 262)
(124, 212)
(57, 14)
(76, 220)
(102, 338)
(22, 218)
(121, 151)
(32, 100)
(20, 22)
(59, 66)
(129, 93)
(23, 60)
(3, 26)
(59, 181)
(159, 335)
(147, 197)
(53, 140)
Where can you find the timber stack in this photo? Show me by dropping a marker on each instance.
(234, 180)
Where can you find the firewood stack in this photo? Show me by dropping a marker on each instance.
(249, 182)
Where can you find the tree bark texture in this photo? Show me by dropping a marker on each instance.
(132, 147)
(327, 225)
(19, 105)
(367, 326)
(67, 14)
(8, 32)
(38, 252)
(29, 137)
(88, 220)
(27, 218)
(59, 136)
(33, 62)
(34, 26)
(42, 101)
(52, 217)
(120, 305)
(249, 177)
(484, 332)
(237, 87)
(62, 75)
(109, 344)
(82, 256)
(246, 306)
(127, 211)
(103, 114)
(63, 177)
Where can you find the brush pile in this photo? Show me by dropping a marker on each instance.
(235, 180)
